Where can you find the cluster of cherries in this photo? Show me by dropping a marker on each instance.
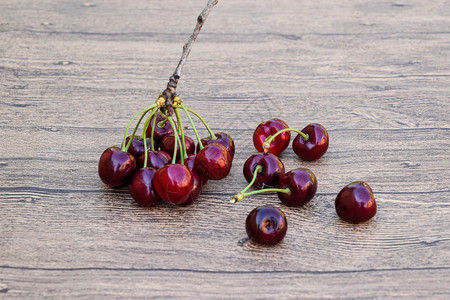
(265, 171)
(164, 163)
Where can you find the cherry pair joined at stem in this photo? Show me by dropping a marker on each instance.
(295, 188)
(273, 136)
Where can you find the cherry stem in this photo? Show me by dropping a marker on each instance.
(257, 170)
(125, 146)
(193, 126)
(213, 136)
(177, 137)
(183, 152)
(152, 135)
(241, 196)
(147, 123)
(162, 123)
(270, 138)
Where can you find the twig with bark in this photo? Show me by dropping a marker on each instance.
(170, 92)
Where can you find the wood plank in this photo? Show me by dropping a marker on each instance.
(156, 283)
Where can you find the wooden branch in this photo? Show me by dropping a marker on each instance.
(170, 92)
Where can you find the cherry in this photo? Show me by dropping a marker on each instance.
(168, 145)
(268, 128)
(266, 225)
(156, 159)
(355, 203)
(165, 154)
(196, 190)
(115, 166)
(173, 183)
(213, 162)
(302, 184)
(189, 162)
(272, 169)
(142, 189)
(221, 138)
(137, 146)
(161, 128)
(315, 146)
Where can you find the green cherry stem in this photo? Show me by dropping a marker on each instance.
(152, 135)
(241, 195)
(213, 136)
(125, 146)
(193, 126)
(270, 138)
(175, 146)
(147, 123)
(183, 151)
(257, 170)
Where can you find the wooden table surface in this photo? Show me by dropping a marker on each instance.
(374, 73)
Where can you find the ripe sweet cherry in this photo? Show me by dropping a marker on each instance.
(267, 129)
(266, 225)
(355, 203)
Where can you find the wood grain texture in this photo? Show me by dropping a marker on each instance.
(375, 74)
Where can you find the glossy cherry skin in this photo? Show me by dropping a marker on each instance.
(315, 146)
(213, 162)
(268, 128)
(142, 189)
(196, 190)
(189, 162)
(355, 203)
(302, 184)
(266, 225)
(156, 159)
(168, 145)
(160, 132)
(271, 172)
(137, 146)
(221, 138)
(173, 183)
(116, 167)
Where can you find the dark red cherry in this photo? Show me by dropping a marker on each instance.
(160, 131)
(168, 145)
(189, 162)
(156, 159)
(137, 146)
(222, 138)
(213, 162)
(302, 184)
(266, 225)
(268, 128)
(142, 189)
(173, 183)
(116, 167)
(271, 172)
(315, 146)
(165, 154)
(196, 190)
(355, 203)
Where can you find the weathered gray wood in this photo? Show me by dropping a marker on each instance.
(375, 74)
